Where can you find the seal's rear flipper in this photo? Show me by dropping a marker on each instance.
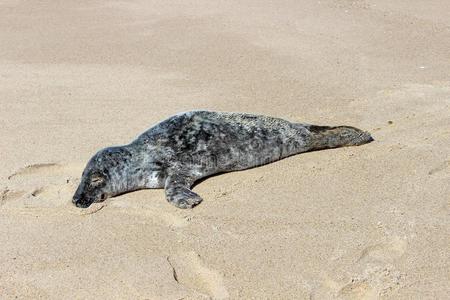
(332, 137)
(178, 191)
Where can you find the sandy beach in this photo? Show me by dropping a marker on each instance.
(368, 222)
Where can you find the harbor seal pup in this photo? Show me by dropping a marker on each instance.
(193, 145)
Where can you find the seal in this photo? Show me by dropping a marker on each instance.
(193, 145)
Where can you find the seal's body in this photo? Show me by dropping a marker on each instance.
(189, 146)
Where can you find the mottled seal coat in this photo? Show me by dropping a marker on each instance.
(189, 146)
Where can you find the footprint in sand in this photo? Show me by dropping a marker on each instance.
(375, 282)
(373, 274)
(35, 169)
(40, 186)
(379, 275)
(190, 271)
(357, 289)
(384, 252)
(370, 282)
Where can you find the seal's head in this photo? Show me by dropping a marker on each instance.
(99, 176)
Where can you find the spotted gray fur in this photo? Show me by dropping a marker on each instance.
(189, 146)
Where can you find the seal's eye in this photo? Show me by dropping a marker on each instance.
(96, 180)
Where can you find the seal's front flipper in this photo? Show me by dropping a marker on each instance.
(178, 191)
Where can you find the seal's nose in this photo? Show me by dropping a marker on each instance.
(80, 204)
(76, 199)
(77, 202)
(78, 196)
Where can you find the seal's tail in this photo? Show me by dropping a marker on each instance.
(332, 137)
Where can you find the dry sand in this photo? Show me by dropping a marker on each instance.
(366, 222)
